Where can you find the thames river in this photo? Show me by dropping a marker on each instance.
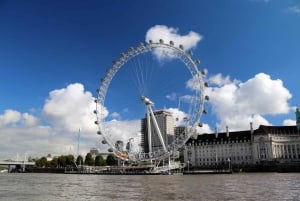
(251, 186)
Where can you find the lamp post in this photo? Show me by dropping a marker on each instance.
(229, 165)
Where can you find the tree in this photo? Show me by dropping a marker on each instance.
(54, 162)
(110, 160)
(89, 159)
(62, 161)
(42, 162)
(69, 160)
(99, 161)
(79, 160)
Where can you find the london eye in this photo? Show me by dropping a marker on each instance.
(151, 79)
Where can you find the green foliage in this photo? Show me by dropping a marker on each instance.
(54, 162)
(62, 161)
(99, 161)
(70, 160)
(89, 159)
(42, 162)
(79, 160)
(110, 160)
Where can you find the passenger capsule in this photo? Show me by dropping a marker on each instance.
(181, 47)
(104, 142)
(95, 112)
(96, 122)
(205, 84)
(161, 41)
(204, 111)
(99, 132)
(150, 41)
(171, 43)
(122, 55)
(190, 53)
(116, 62)
(197, 62)
(110, 150)
(206, 98)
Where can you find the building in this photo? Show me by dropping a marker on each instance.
(265, 144)
(165, 123)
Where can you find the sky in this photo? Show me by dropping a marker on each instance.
(54, 53)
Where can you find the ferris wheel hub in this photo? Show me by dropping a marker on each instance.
(146, 100)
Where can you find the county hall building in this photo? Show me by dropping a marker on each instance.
(265, 144)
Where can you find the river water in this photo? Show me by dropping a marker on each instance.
(251, 186)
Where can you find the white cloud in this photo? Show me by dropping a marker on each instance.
(65, 112)
(172, 96)
(10, 117)
(115, 115)
(289, 122)
(123, 130)
(219, 80)
(30, 120)
(237, 103)
(294, 9)
(70, 109)
(168, 34)
(178, 116)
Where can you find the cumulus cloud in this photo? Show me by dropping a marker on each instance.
(219, 80)
(167, 34)
(289, 122)
(115, 115)
(10, 117)
(30, 120)
(56, 131)
(237, 103)
(123, 130)
(70, 108)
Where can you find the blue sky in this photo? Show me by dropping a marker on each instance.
(46, 47)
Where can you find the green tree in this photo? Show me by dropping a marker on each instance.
(42, 162)
(54, 162)
(70, 160)
(110, 160)
(99, 161)
(79, 160)
(89, 159)
(62, 161)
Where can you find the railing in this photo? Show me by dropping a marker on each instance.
(16, 163)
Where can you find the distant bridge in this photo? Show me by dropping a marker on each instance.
(16, 163)
(22, 164)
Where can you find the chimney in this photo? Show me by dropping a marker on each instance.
(251, 128)
(227, 131)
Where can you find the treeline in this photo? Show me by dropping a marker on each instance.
(69, 161)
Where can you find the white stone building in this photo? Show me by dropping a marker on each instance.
(267, 143)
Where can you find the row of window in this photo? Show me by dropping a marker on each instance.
(201, 143)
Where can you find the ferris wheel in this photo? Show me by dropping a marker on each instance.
(152, 140)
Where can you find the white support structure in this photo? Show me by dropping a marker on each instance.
(149, 131)
(150, 116)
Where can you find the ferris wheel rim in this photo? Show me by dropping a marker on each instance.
(180, 54)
